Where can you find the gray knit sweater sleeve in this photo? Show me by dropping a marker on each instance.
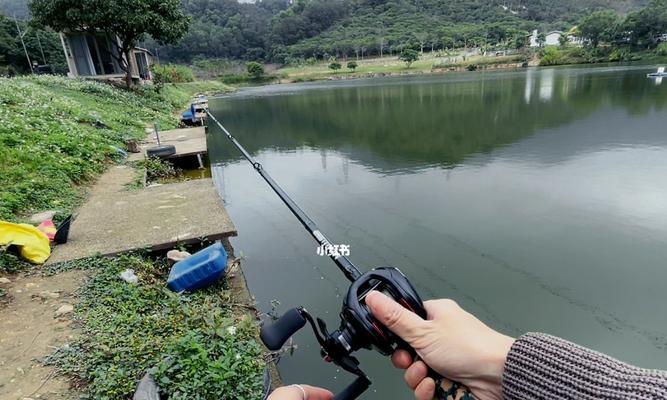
(543, 367)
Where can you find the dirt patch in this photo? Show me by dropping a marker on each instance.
(31, 330)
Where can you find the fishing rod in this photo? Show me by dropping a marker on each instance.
(358, 328)
(344, 264)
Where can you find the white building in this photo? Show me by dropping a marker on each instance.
(552, 39)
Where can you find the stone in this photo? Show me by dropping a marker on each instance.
(47, 295)
(147, 389)
(5, 281)
(129, 276)
(64, 310)
(30, 285)
(42, 216)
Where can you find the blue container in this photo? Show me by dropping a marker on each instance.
(200, 270)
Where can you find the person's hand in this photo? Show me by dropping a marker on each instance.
(295, 392)
(452, 342)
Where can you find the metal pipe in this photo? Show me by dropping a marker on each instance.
(344, 264)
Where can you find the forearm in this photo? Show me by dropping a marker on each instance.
(543, 367)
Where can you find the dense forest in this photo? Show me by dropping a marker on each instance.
(275, 30)
(286, 30)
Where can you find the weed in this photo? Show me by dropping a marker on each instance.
(194, 344)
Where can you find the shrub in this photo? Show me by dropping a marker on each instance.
(255, 69)
(352, 65)
(172, 73)
(335, 65)
(551, 56)
(472, 67)
(661, 50)
(619, 55)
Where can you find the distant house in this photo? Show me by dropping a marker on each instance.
(94, 56)
(552, 39)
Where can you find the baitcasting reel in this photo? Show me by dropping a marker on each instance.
(358, 329)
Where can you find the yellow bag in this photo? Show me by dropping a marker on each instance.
(32, 243)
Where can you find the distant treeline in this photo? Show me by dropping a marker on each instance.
(274, 30)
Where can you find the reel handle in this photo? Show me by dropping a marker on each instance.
(276, 334)
(354, 389)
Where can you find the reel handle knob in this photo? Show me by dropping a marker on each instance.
(276, 334)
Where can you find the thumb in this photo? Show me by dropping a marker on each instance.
(315, 393)
(394, 316)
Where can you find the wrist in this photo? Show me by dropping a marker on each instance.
(489, 383)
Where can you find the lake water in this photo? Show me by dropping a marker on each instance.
(537, 199)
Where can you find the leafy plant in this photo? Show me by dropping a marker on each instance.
(472, 67)
(661, 50)
(255, 69)
(171, 73)
(158, 169)
(335, 66)
(197, 345)
(352, 65)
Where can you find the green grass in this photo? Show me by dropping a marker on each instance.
(388, 66)
(49, 147)
(195, 345)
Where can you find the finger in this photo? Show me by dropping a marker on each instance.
(398, 319)
(425, 390)
(441, 307)
(416, 373)
(401, 359)
(315, 393)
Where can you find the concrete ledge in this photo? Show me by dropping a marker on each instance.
(114, 221)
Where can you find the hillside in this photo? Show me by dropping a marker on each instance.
(271, 31)
(274, 30)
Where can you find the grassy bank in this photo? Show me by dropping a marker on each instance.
(427, 63)
(58, 134)
(197, 346)
(51, 143)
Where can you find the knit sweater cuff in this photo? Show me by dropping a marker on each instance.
(541, 366)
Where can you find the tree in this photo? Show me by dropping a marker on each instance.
(541, 39)
(563, 39)
(520, 41)
(644, 27)
(352, 65)
(422, 38)
(409, 56)
(600, 26)
(255, 69)
(130, 21)
(335, 66)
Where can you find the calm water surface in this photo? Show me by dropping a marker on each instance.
(537, 199)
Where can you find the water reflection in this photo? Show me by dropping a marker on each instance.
(422, 123)
(536, 199)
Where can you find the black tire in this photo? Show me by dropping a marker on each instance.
(163, 151)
